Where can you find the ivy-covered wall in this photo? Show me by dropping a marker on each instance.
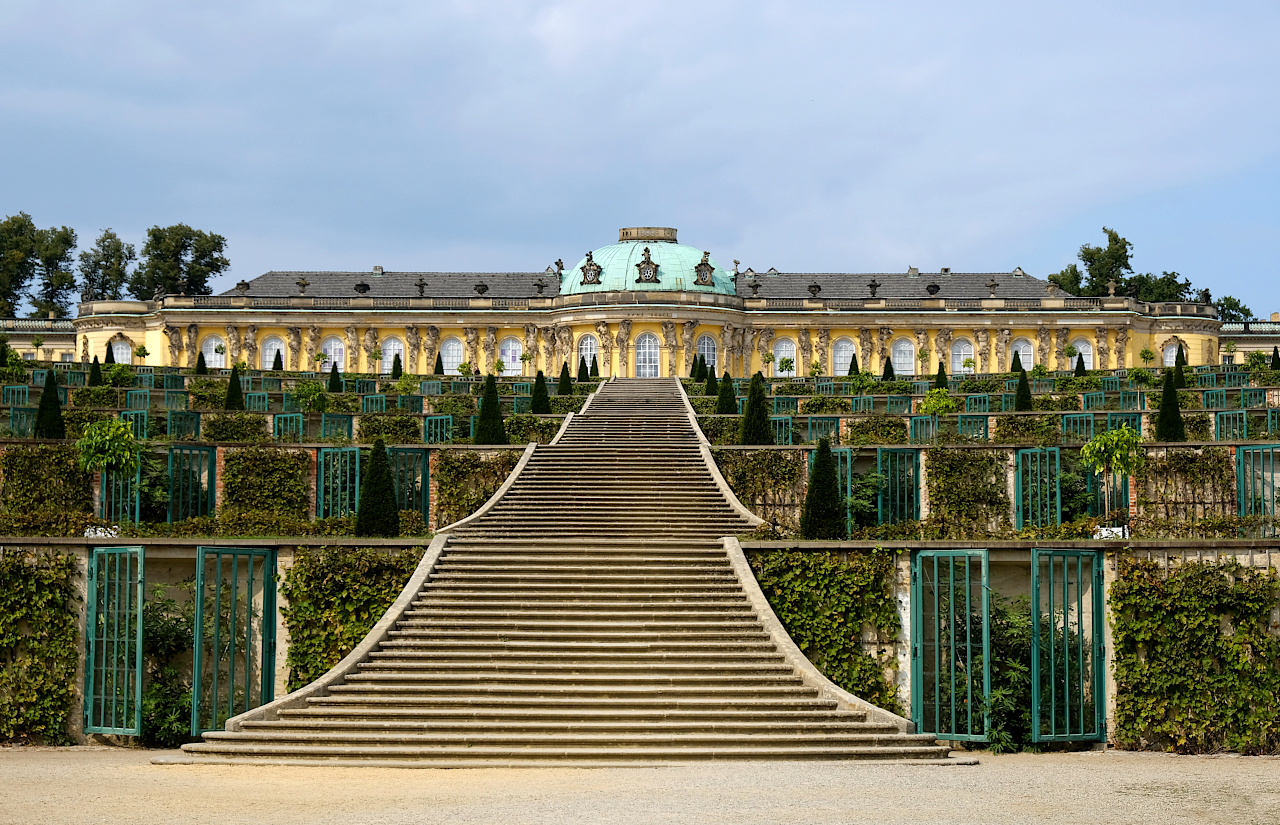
(271, 479)
(1187, 493)
(968, 493)
(43, 491)
(769, 482)
(463, 480)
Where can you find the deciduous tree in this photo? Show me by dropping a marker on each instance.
(178, 260)
(104, 267)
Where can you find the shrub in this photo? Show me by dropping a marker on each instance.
(540, 401)
(393, 429)
(521, 429)
(77, 419)
(565, 384)
(465, 480)
(720, 429)
(1016, 364)
(235, 393)
(726, 397)
(234, 426)
(335, 379)
(277, 365)
(565, 405)
(489, 429)
(939, 402)
(439, 368)
(584, 374)
(44, 480)
(712, 388)
(207, 393)
(877, 429)
(108, 445)
(1169, 426)
(201, 367)
(95, 373)
(49, 423)
(99, 396)
(267, 479)
(1022, 398)
(822, 516)
(824, 405)
(755, 427)
(377, 513)
(396, 369)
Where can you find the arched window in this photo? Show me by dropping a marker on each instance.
(904, 357)
(647, 356)
(1171, 354)
(335, 351)
(842, 356)
(450, 355)
(1084, 352)
(961, 348)
(1026, 353)
(120, 350)
(509, 352)
(269, 349)
(588, 346)
(707, 349)
(212, 358)
(391, 347)
(784, 348)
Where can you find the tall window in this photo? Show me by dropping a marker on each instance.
(841, 356)
(647, 356)
(1026, 353)
(1171, 356)
(784, 348)
(269, 349)
(707, 349)
(335, 350)
(212, 358)
(391, 347)
(450, 355)
(904, 357)
(588, 346)
(509, 352)
(961, 348)
(1084, 352)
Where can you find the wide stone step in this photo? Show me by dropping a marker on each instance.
(659, 726)
(560, 657)
(543, 739)
(747, 713)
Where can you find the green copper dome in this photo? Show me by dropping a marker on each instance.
(667, 267)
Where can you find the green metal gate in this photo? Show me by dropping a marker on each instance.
(118, 495)
(1038, 490)
(1257, 483)
(899, 498)
(951, 643)
(1067, 663)
(191, 482)
(233, 665)
(411, 473)
(113, 645)
(337, 481)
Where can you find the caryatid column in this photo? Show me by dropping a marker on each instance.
(606, 348)
(623, 340)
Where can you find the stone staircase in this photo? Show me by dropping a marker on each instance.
(590, 615)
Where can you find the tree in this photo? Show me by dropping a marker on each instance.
(111, 354)
(1114, 453)
(540, 402)
(1275, 358)
(335, 380)
(439, 370)
(940, 380)
(1179, 364)
(49, 423)
(95, 373)
(1231, 311)
(1079, 366)
(1106, 264)
(1022, 398)
(1068, 280)
(55, 278)
(1016, 365)
(726, 398)
(754, 428)
(396, 369)
(712, 388)
(887, 375)
(235, 393)
(1169, 425)
(17, 261)
(489, 429)
(1147, 287)
(142, 353)
(277, 363)
(595, 367)
(565, 385)
(104, 268)
(853, 363)
(178, 260)
(377, 514)
(584, 374)
(822, 516)
(201, 367)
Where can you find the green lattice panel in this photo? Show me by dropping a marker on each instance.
(437, 429)
(1037, 488)
(974, 426)
(898, 404)
(191, 482)
(781, 425)
(827, 427)
(182, 426)
(429, 388)
(256, 402)
(373, 404)
(287, 427)
(977, 403)
(337, 481)
(176, 400)
(411, 474)
(786, 405)
(16, 395)
(899, 498)
(410, 403)
(138, 420)
(1232, 425)
(335, 425)
(1077, 427)
(113, 641)
(22, 421)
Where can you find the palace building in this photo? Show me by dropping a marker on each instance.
(644, 307)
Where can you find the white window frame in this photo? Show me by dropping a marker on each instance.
(962, 348)
(213, 359)
(450, 347)
(1023, 347)
(509, 351)
(1084, 350)
(270, 347)
(842, 351)
(336, 349)
(390, 346)
(706, 347)
(648, 356)
(588, 348)
(903, 354)
(1170, 355)
(784, 348)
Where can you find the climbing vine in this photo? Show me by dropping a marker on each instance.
(720, 429)
(769, 482)
(968, 493)
(1197, 666)
(877, 429)
(234, 426)
(266, 478)
(393, 429)
(825, 405)
(1183, 488)
(521, 429)
(466, 479)
(333, 595)
(827, 604)
(1040, 430)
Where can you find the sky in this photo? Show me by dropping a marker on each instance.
(500, 136)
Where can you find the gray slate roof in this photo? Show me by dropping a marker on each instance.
(892, 284)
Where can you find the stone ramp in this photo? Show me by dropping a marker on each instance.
(591, 615)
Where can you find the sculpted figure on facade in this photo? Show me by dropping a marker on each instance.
(251, 344)
(983, 339)
(765, 343)
(1002, 351)
(806, 352)
(1043, 336)
(1102, 352)
(530, 348)
(372, 350)
(670, 341)
(864, 349)
(233, 344)
(549, 351)
(472, 334)
(739, 336)
(922, 347)
(491, 349)
(623, 340)
(295, 346)
(193, 333)
(412, 343)
(84, 350)
(1064, 335)
(1122, 341)
(313, 346)
(175, 344)
(353, 349)
(606, 348)
(882, 348)
(564, 349)
(824, 347)
(942, 346)
(686, 337)
(430, 343)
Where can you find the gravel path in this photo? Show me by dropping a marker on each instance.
(92, 785)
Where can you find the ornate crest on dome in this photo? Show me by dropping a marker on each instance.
(703, 270)
(590, 271)
(648, 270)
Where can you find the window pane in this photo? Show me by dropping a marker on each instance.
(451, 355)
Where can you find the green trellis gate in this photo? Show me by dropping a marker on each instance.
(113, 643)
(1067, 664)
(951, 643)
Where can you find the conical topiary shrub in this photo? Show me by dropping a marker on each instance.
(377, 514)
(278, 364)
(584, 374)
(1016, 364)
(235, 393)
(822, 516)
(595, 367)
(712, 388)
(111, 355)
(201, 367)
(49, 423)
(540, 402)
(396, 369)
(565, 385)
(439, 370)
(1079, 372)
(888, 375)
(726, 398)
(853, 363)
(1275, 358)
(699, 368)
(95, 373)
(335, 379)
(940, 380)
(1169, 424)
(1022, 400)
(489, 429)
(1179, 365)
(754, 428)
